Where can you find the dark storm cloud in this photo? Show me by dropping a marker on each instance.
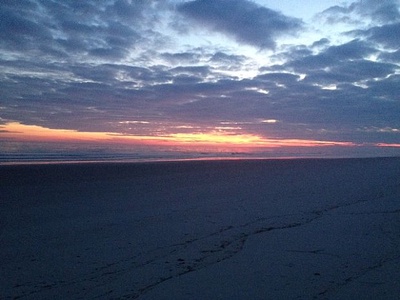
(244, 20)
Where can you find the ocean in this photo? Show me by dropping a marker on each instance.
(12, 152)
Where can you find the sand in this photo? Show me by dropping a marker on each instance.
(241, 229)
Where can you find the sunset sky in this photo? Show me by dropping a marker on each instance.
(260, 73)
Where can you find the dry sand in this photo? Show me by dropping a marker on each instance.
(244, 229)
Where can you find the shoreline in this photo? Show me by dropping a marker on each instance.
(164, 160)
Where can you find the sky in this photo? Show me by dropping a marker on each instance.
(259, 74)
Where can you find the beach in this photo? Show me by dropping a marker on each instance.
(209, 229)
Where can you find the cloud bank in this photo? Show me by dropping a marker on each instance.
(244, 20)
(149, 68)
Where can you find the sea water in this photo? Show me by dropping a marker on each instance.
(12, 152)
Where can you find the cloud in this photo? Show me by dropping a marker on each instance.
(321, 43)
(393, 56)
(128, 9)
(386, 35)
(279, 78)
(243, 20)
(93, 65)
(201, 71)
(378, 12)
(19, 31)
(181, 58)
(339, 57)
(384, 11)
(227, 59)
(75, 29)
(352, 50)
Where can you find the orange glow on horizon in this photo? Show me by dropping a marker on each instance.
(249, 140)
(36, 133)
(21, 132)
(388, 145)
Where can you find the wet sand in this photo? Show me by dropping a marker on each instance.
(239, 229)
